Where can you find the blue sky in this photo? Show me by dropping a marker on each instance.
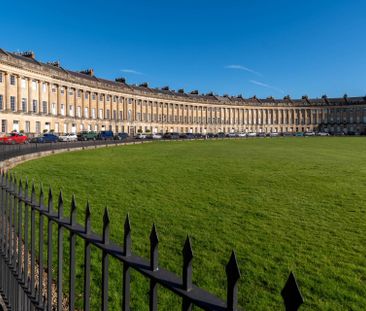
(244, 47)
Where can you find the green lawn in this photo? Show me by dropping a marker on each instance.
(283, 204)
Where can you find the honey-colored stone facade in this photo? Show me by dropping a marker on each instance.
(35, 96)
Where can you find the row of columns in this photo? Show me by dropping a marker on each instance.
(132, 109)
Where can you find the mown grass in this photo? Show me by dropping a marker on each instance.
(284, 204)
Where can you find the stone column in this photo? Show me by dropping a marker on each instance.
(40, 105)
(19, 94)
(6, 91)
(49, 98)
(58, 104)
(67, 111)
(82, 104)
(29, 100)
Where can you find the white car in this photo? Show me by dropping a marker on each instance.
(274, 134)
(242, 134)
(157, 136)
(252, 134)
(140, 136)
(309, 134)
(68, 137)
(323, 134)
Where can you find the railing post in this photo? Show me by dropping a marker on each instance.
(26, 229)
(33, 239)
(41, 244)
(1, 230)
(60, 253)
(49, 252)
(72, 256)
(87, 260)
(20, 242)
(126, 268)
(187, 272)
(154, 262)
(105, 262)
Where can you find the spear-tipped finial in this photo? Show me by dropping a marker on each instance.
(106, 221)
(154, 242)
(291, 294)
(60, 205)
(233, 276)
(127, 236)
(50, 200)
(73, 210)
(187, 264)
(87, 218)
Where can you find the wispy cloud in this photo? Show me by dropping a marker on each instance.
(135, 72)
(243, 68)
(267, 86)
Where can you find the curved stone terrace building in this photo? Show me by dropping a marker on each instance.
(37, 97)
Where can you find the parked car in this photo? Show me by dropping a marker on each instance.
(299, 134)
(198, 135)
(220, 135)
(121, 136)
(14, 138)
(322, 134)
(141, 136)
(171, 135)
(287, 134)
(87, 135)
(309, 134)
(105, 135)
(262, 134)
(45, 138)
(68, 137)
(274, 134)
(242, 135)
(210, 135)
(231, 135)
(252, 134)
(156, 136)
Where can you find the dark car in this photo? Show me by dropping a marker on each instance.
(210, 135)
(220, 135)
(171, 136)
(121, 136)
(45, 138)
(85, 135)
(198, 135)
(261, 134)
(105, 135)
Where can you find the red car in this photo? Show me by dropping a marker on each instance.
(14, 138)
